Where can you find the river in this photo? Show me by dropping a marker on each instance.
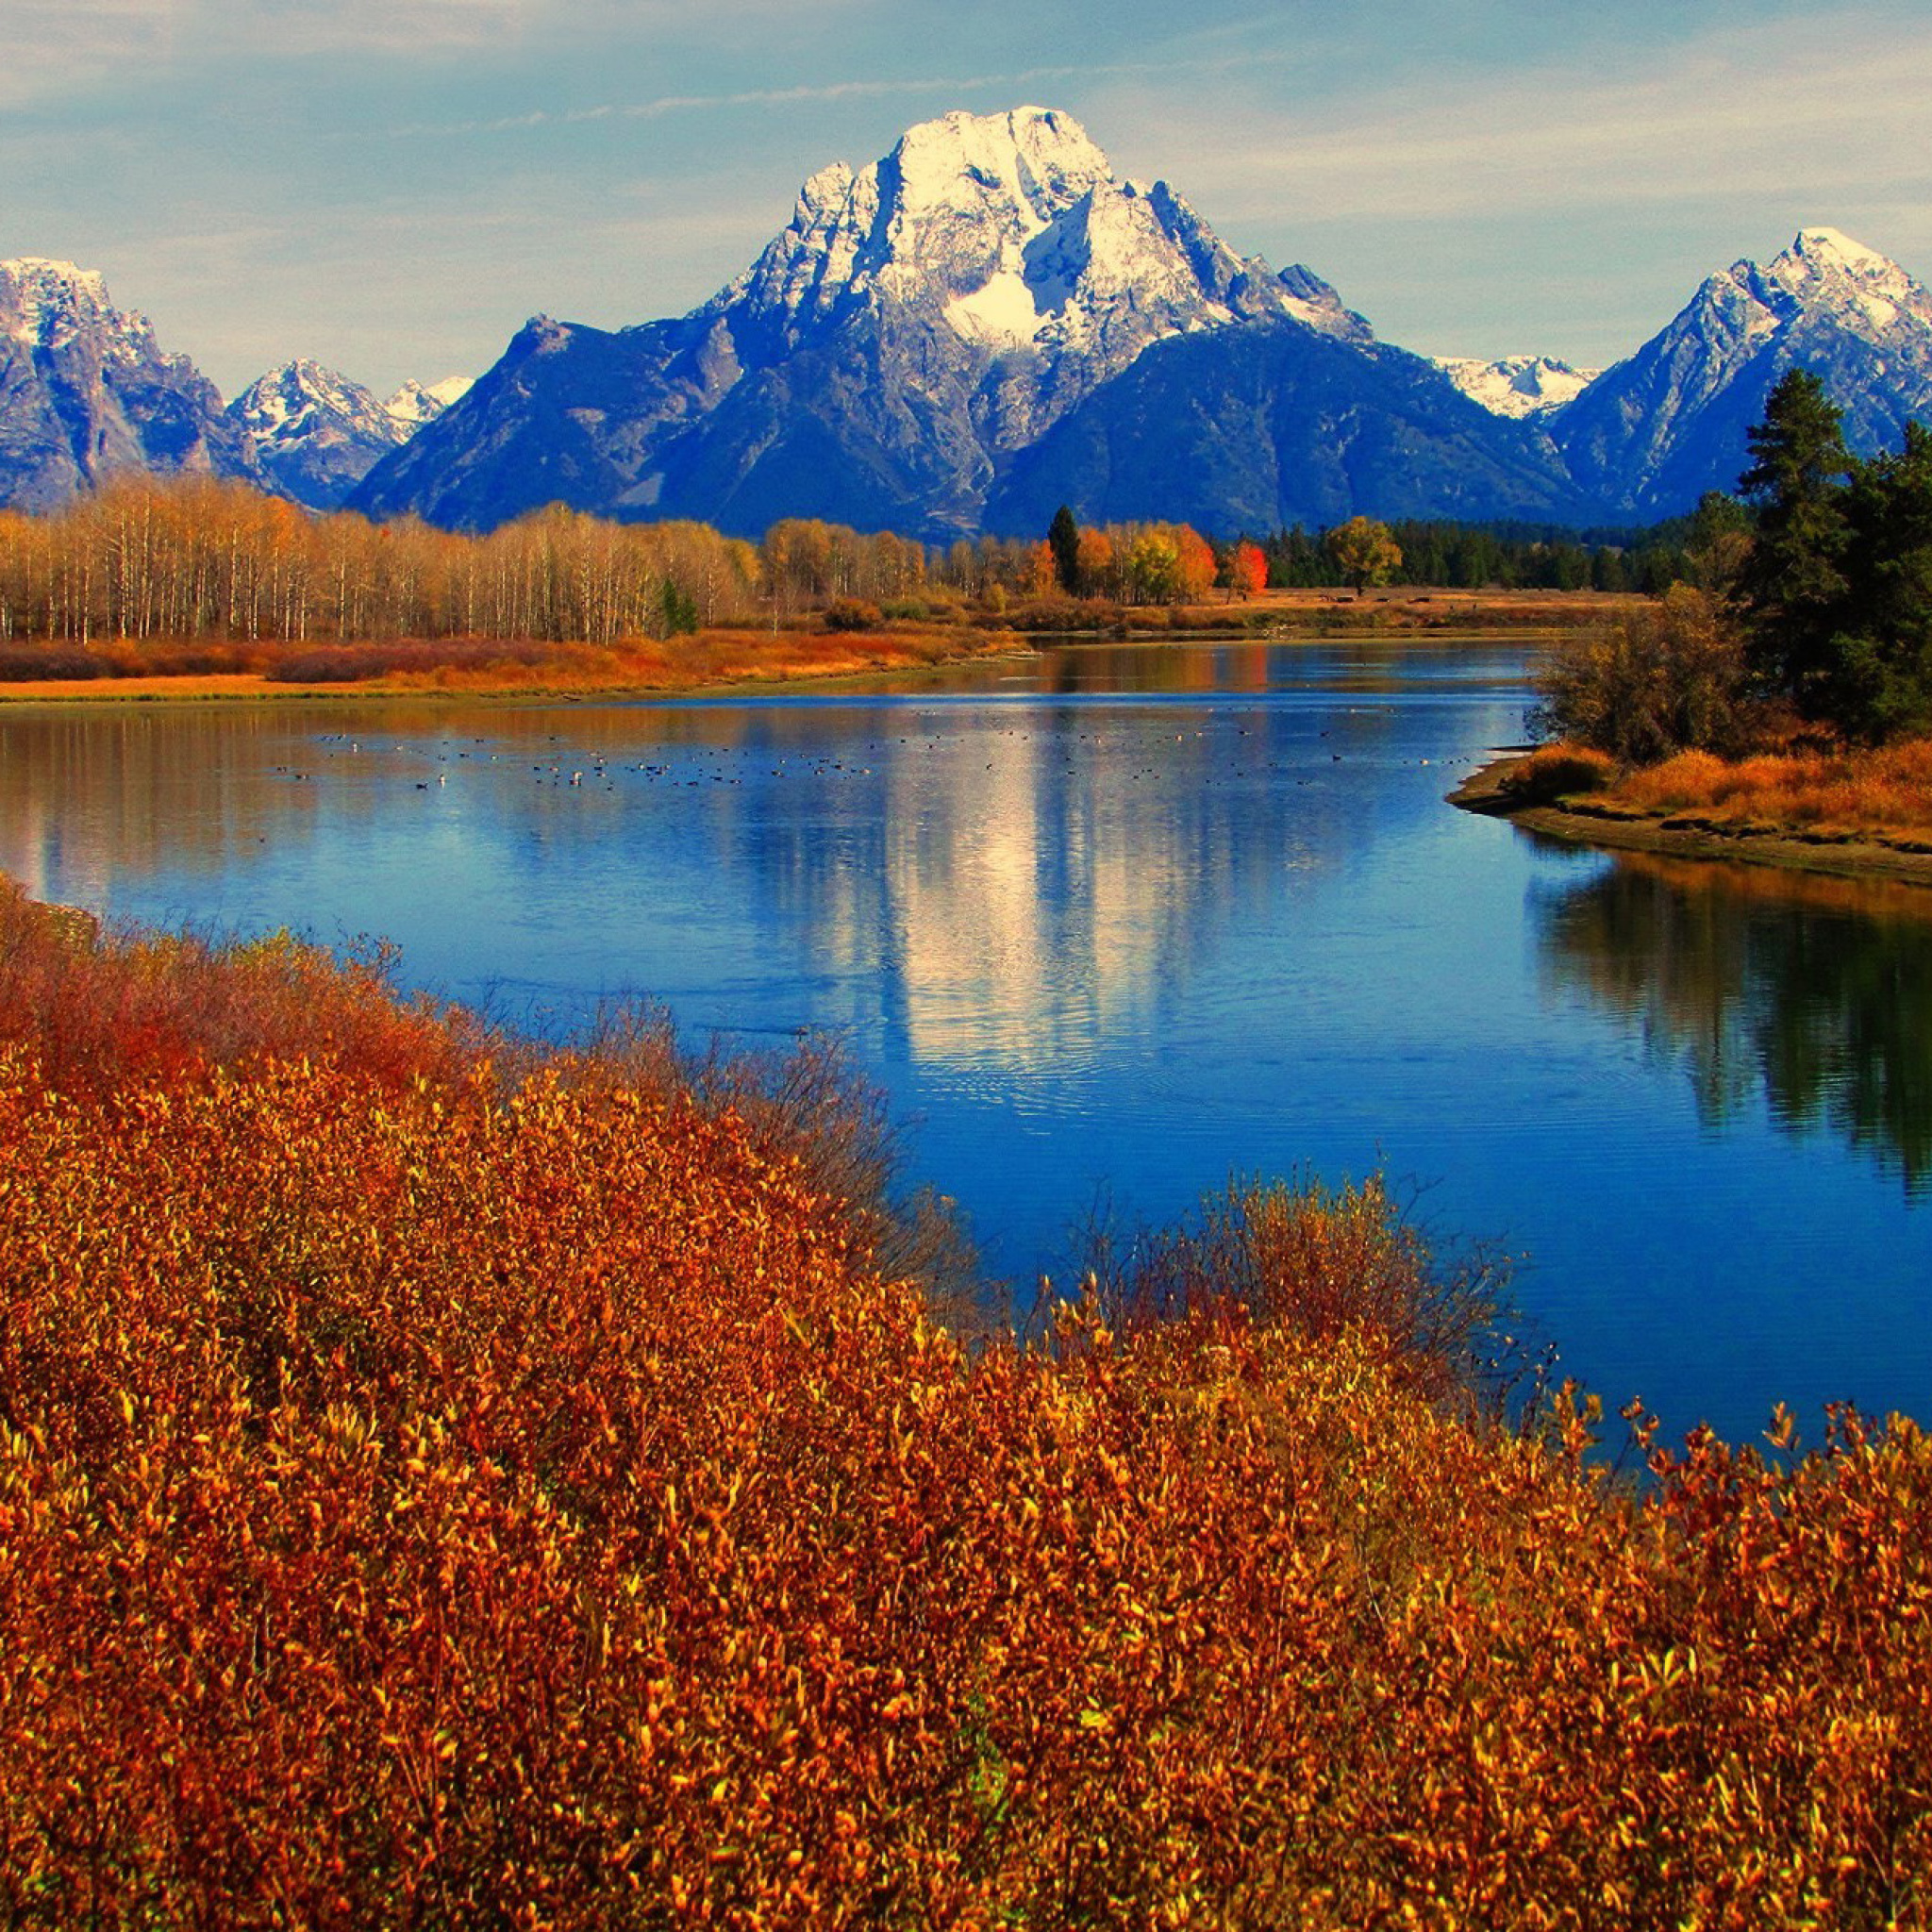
(1114, 924)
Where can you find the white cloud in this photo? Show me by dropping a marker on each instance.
(53, 46)
(1801, 110)
(806, 93)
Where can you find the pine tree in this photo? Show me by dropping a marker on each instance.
(1792, 583)
(1063, 535)
(1878, 681)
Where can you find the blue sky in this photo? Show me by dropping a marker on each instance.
(393, 186)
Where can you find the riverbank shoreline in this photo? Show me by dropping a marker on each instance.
(758, 661)
(254, 687)
(1583, 820)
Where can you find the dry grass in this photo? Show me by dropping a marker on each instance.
(1882, 793)
(1554, 772)
(476, 669)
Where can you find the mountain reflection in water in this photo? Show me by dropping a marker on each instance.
(1122, 922)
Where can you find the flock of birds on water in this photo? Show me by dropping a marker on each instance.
(599, 771)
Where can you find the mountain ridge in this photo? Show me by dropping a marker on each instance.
(1668, 423)
(317, 434)
(915, 328)
(986, 315)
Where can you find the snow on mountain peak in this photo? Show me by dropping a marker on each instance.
(1022, 168)
(1827, 271)
(46, 282)
(1517, 386)
(417, 403)
(302, 399)
(1832, 247)
(1008, 247)
(53, 301)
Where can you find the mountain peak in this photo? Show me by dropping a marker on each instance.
(417, 403)
(44, 295)
(1832, 248)
(1839, 280)
(86, 391)
(1031, 162)
(1672, 420)
(1517, 386)
(1011, 238)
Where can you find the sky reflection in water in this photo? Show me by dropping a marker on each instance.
(1130, 920)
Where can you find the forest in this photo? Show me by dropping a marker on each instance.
(203, 561)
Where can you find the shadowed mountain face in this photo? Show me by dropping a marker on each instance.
(1268, 426)
(1652, 435)
(916, 331)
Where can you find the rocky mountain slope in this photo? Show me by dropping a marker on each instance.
(889, 358)
(317, 434)
(1650, 435)
(86, 391)
(1517, 385)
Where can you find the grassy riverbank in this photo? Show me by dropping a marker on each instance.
(708, 659)
(444, 1481)
(1851, 812)
(801, 650)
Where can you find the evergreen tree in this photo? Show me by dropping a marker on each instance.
(1063, 537)
(1879, 680)
(1792, 582)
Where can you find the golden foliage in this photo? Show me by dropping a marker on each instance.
(1886, 791)
(433, 1498)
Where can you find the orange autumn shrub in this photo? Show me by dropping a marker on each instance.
(526, 1502)
(98, 1010)
(1556, 771)
(1887, 791)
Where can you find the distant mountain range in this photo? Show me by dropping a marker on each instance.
(317, 434)
(984, 324)
(85, 392)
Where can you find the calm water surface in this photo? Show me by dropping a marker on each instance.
(1127, 921)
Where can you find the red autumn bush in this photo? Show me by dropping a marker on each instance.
(486, 1500)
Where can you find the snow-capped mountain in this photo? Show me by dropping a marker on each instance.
(1012, 234)
(1653, 434)
(417, 403)
(85, 390)
(1517, 385)
(318, 434)
(984, 324)
(916, 326)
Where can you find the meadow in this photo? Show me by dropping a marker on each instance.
(450, 1481)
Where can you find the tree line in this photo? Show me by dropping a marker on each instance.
(198, 559)
(1508, 555)
(207, 559)
(1806, 606)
